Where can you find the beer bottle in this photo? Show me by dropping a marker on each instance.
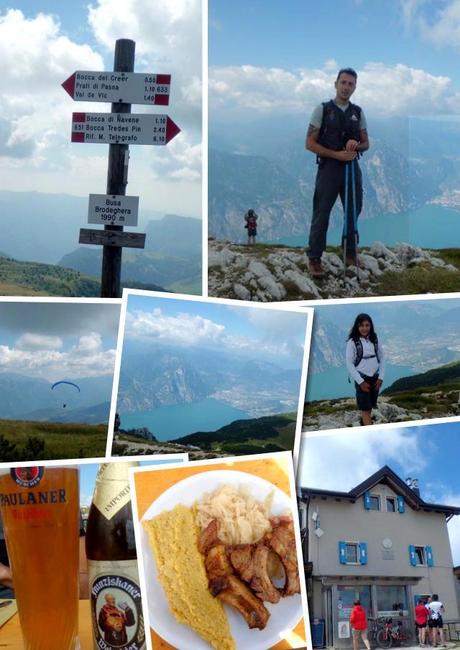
(116, 606)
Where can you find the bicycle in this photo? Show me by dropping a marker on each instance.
(392, 633)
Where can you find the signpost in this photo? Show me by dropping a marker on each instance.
(119, 129)
(121, 87)
(122, 128)
(118, 210)
(112, 238)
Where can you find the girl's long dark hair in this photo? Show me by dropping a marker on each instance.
(354, 332)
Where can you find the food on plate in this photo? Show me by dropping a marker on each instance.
(173, 537)
(244, 549)
(242, 519)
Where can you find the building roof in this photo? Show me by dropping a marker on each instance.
(387, 476)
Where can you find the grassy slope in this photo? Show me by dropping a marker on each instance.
(271, 433)
(34, 278)
(61, 440)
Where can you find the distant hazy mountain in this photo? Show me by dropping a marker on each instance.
(45, 228)
(265, 166)
(415, 334)
(156, 376)
(24, 397)
(171, 258)
(97, 414)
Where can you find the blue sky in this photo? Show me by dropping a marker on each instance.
(429, 453)
(43, 43)
(254, 331)
(299, 34)
(57, 340)
(405, 52)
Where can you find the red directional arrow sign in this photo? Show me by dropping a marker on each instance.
(123, 128)
(116, 87)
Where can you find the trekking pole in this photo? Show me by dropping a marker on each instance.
(345, 225)
(355, 218)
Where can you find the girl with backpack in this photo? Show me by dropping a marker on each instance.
(365, 365)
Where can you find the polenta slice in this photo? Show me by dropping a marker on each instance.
(173, 536)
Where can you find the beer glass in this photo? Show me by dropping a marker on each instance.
(40, 511)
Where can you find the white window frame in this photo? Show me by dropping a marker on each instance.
(423, 547)
(395, 503)
(357, 545)
(379, 499)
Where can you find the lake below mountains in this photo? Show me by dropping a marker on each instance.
(177, 420)
(431, 226)
(333, 383)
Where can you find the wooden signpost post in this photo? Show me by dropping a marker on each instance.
(118, 129)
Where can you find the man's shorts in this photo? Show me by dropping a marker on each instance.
(367, 401)
(435, 622)
(420, 626)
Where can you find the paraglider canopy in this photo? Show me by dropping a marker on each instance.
(65, 389)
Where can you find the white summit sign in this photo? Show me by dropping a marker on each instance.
(115, 210)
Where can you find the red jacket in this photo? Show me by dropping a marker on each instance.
(358, 619)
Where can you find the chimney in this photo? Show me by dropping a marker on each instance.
(412, 483)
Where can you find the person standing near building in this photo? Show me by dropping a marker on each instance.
(435, 622)
(358, 623)
(365, 365)
(337, 134)
(421, 620)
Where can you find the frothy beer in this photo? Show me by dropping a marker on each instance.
(41, 518)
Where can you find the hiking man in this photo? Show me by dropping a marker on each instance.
(251, 224)
(435, 623)
(337, 134)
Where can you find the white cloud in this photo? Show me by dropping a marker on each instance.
(443, 29)
(168, 37)
(183, 329)
(31, 341)
(35, 112)
(383, 90)
(194, 330)
(86, 358)
(340, 462)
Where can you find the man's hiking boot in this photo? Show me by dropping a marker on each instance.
(315, 268)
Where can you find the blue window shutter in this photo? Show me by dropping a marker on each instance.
(429, 556)
(363, 553)
(412, 558)
(401, 504)
(342, 553)
(367, 500)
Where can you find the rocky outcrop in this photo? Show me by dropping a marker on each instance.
(340, 413)
(276, 273)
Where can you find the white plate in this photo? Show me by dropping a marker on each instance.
(284, 616)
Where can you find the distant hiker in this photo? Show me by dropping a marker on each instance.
(358, 622)
(421, 620)
(251, 224)
(337, 134)
(365, 365)
(435, 623)
(116, 424)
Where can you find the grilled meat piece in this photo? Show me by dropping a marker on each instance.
(231, 590)
(281, 539)
(209, 537)
(261, 583)
(241, 557)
